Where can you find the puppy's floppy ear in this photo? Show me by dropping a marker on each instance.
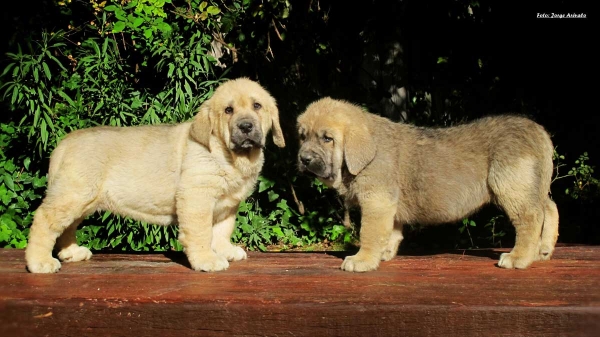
(359, 147)
(202, 126)
(276, 128)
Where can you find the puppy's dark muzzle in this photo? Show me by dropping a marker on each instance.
(246, 135)
(311, 163)
(306, 159)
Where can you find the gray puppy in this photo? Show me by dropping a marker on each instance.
(400, 174)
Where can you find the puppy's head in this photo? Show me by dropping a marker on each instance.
(334, 134)
(240, 113)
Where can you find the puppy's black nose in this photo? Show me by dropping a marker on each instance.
(246, 127)
(306, 159)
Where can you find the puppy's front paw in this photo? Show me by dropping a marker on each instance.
(208, 262)
(358, 263)
(509, 261)
(43, 266)
(233, 253)
(74, 253)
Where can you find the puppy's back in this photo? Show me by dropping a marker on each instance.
(118, 155)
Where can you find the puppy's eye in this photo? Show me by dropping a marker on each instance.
(229, 110)
(257, 106)
(327, 139)
(302, 137)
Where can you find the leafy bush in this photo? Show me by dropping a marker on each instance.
(585, 186)
(121, 64)
(20, 190)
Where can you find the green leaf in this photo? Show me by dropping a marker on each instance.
(99, 106)
(171, 68)
(116, 241)
(163, 27)
(8, 180)
(282, 204)
(50, 56)
(148, 33)
(131, 4)
(48, 119)
(39, 182)
(110, 8)
(137, 22)
(9, 166)
(47, 70)
(212, 10)
(7, 69)
(118, 27)
(121, 15)
(265, 184)
(272, 195)
(105, 215)
(36, 76)
(66, 97)
(188, 89)
(26, 163)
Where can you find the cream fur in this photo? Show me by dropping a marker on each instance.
(190, 174)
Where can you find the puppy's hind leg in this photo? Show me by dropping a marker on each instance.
(549, 231)
(395, 239)
(528, 226)
(515, 185)
(66, 245)
(51, 219)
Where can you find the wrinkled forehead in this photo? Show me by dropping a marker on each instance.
(314, 119)
(319, 124)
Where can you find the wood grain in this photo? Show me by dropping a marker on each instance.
(456, 293)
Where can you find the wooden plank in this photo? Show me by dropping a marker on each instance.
(458, 293)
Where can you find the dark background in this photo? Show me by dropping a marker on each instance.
(454, 66)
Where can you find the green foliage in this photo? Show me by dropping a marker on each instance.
(31, 86)
(488, 235)
(466, 223)
(119, 233)
(496, 233)
(585, 186)
(282, 225)
(20, 190)
(155, 61)
(140, 17)
(129, 63)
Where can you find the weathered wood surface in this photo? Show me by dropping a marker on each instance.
(304, 294)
